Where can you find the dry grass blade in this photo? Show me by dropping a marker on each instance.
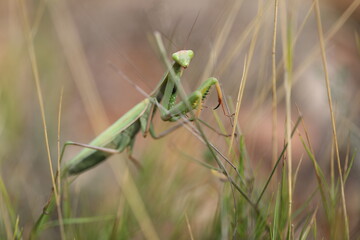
(38, 17)
(277, 162)
(222, 37)
(59, 144)
(58, 173)
(75, 56)
(332, 115)
(241, 40)
(280, 64)
(35, 71)
(238, 103)
(247, 64)
(287, 28)
(133, 198)
(274, 96)
(314, 51)
(189, 227)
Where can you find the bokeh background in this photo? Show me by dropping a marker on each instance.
(75, 42)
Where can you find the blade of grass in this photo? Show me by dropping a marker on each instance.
(284, 200)
(287, 27)
(75, 56)
(191, 158)
(276, 217)
(346, 162)
(315, 231)
(315, 50)
(17, 233)
(274, 96)
(306, 204)
(332, 115)
(277, 162)
(305, 232)
(35, 72)
(6, 206)
(220, 125)
(319, 177)
(189, 227)
(58, 172)
(241, 39)
(39, 13)
(238, 103)
(322, 183)
(222, 36)
(82, 220)
(347, 172)
(118, 219)
(5, 219)
(247, 63)
(137, 205)
(297, 171)
(58, 142)
(280, 64)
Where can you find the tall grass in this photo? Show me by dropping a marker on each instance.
(278, 175)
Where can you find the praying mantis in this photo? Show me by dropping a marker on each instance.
(121, 135)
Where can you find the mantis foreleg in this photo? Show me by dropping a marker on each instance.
(194, 101)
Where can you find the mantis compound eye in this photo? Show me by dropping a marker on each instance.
(183, 57)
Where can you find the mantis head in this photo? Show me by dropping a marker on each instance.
(183, 57)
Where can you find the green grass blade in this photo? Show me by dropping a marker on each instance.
(277, 163)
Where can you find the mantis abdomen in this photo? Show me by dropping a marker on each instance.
(89, 158)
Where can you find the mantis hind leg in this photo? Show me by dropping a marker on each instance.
(131, 157)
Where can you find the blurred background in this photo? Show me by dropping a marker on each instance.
(76, 41)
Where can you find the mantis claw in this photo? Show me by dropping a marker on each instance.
(219, 92)
(217, 106)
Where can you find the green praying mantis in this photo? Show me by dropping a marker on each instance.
(121, 135)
